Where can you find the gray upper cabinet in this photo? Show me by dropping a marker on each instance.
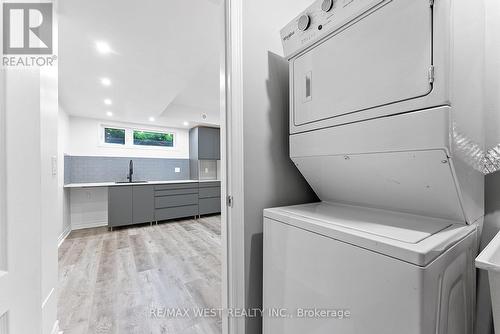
(143, 204)
(204, 143)
(120, 210)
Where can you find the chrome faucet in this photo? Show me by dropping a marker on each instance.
(130, 171)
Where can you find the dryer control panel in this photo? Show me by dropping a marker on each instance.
(322, 18)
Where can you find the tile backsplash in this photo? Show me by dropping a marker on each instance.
(86, 169)
(208, 169)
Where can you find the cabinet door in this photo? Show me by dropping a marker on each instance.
(143, 207)
(120, 206)
(208, 144)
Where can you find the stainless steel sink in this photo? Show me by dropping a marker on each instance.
(124, 182)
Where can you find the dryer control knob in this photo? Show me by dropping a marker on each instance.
(304, 22)
(327, 5)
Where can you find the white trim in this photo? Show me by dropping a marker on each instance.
(55, 328)
(235, 163)
(3, 179)
(223, 170)
(48, 297)
(101, 135)
(75, 227)
(63, 236)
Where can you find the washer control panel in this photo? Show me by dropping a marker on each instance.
(320, 19)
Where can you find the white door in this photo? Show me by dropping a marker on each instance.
(383, 58)
(20, 198)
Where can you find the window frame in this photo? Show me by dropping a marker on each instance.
(103, 135)
(133, 130)
(129, 137)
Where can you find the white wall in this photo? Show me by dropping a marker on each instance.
(31, 199)
(89, 207)
(270, 178)
(85, 141)
(51, 218)
(63, 133)
(24, 226)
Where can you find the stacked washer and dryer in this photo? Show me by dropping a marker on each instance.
(386, 126)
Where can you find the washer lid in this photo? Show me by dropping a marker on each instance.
(411, 238)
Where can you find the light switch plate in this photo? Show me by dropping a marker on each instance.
(54, 166)
(177, 170)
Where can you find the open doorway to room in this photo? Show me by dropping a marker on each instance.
(139, 132)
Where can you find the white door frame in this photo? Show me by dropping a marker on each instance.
(233, 270)
(4, 284)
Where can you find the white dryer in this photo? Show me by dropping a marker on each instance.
(386, 126)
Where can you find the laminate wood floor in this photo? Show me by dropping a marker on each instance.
(124, 281)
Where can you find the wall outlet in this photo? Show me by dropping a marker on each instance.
(177, 169)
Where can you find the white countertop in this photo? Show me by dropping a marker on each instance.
(114, 184)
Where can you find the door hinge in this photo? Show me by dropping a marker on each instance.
(431, 74)
(230, 201)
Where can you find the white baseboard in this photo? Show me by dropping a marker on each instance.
(88, 225)
(63, 236)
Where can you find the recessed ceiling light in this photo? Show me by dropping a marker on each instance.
(108, 102)
(109, 113)
(186, 123)
(151, 119)
(106, 81)
(102, 47)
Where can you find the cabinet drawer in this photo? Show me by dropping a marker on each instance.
(209, 192)
(209, 205)
(209, 184)
(176, 192)
(193, 185)
(177, 212)
(178, 200)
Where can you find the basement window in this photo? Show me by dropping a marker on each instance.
(114, 136)
(149, 138)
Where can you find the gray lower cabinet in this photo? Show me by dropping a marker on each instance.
(209, 198)
(143, 204)
(209, 205)
(176, 201)
(130, 205)
(136, 204)
(120, 210)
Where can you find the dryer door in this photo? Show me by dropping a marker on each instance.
(381, 58)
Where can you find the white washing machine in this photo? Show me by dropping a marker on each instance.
(386, 126)
(394, 273)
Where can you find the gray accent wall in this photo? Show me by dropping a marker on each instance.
(270, 177)
(86, 169)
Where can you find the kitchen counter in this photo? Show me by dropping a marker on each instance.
(114, 184)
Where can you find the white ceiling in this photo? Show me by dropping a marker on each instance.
(164, 64)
